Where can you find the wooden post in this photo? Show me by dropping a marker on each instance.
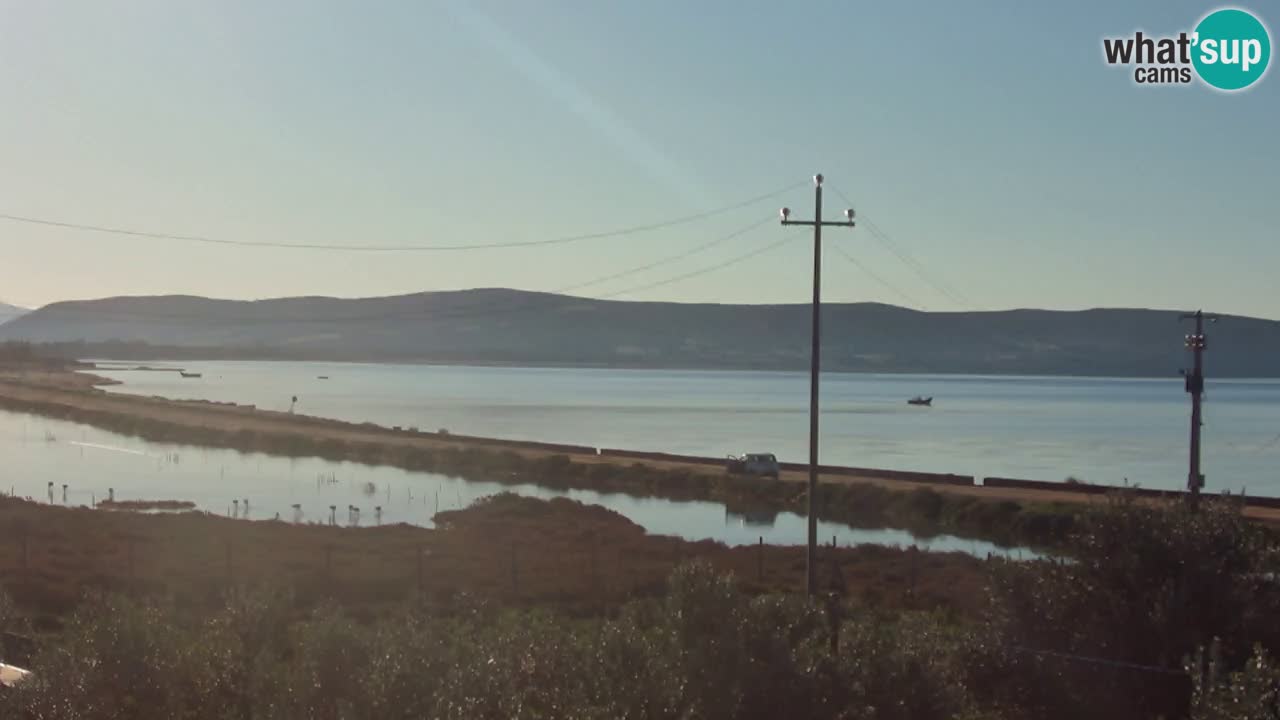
(595, 572)
(420, 572)
(811, 547)
(833, 616)
(515, 572)
(914, 558)
(760, 560)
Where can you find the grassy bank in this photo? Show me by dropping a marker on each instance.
(510, 550)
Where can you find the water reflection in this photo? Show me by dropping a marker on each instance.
(751, 518)
(67, 463)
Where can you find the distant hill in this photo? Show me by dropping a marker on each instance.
(9, 312)
(516, 327)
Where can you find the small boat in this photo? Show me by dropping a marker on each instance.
(322, 377)
(186, 374)
(917, 400)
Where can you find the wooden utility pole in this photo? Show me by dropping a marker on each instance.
(811, 554)
(1195, 386)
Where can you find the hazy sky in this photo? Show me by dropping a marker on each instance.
(987, 139)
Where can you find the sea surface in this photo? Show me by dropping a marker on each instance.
(1043, 428)
(44, 455)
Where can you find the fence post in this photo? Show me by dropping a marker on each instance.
(833, 617)
(915, 555)
(515, 572)
(760, 560)
(595, 573)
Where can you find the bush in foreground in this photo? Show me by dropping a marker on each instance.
(703, 651)
(1103, 635)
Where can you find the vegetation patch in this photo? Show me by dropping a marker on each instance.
(1164, 612)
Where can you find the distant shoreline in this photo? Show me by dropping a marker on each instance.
(181, 363)
(1006, 514)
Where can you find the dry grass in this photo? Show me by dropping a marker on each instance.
(521, 551)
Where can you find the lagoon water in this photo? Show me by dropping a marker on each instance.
(41, 455)
(1044, 428)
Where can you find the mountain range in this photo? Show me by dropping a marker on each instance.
(10, 312)
(500, 326)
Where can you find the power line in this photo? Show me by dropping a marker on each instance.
(497, 310)
(1269, 444)
(907, 259)
(936, 283)
(632, 230)
(875, 276)
(1262, 447)
(666, 260)
(475, 310)
(704, 271)
(1105, 662)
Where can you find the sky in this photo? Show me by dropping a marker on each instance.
(1003, 162)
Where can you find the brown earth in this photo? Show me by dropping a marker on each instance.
(509, 550)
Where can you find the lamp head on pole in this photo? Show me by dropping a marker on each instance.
(848, 214)
(786, 213)
(817, 179)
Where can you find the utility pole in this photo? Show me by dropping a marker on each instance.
(1195, 386)
(811, 553)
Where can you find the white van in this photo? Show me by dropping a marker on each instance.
(762, 464)
(11, 675)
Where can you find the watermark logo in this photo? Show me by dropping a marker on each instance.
(1228, 50)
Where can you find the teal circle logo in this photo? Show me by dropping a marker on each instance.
(1232, 49)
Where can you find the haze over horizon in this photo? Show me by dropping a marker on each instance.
(1017, 174)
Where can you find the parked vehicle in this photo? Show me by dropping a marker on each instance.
(762, 464)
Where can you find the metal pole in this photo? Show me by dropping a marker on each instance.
(1195, 386)
(1194, 480)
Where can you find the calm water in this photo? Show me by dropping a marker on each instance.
(39, 451)
(1098, 430)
